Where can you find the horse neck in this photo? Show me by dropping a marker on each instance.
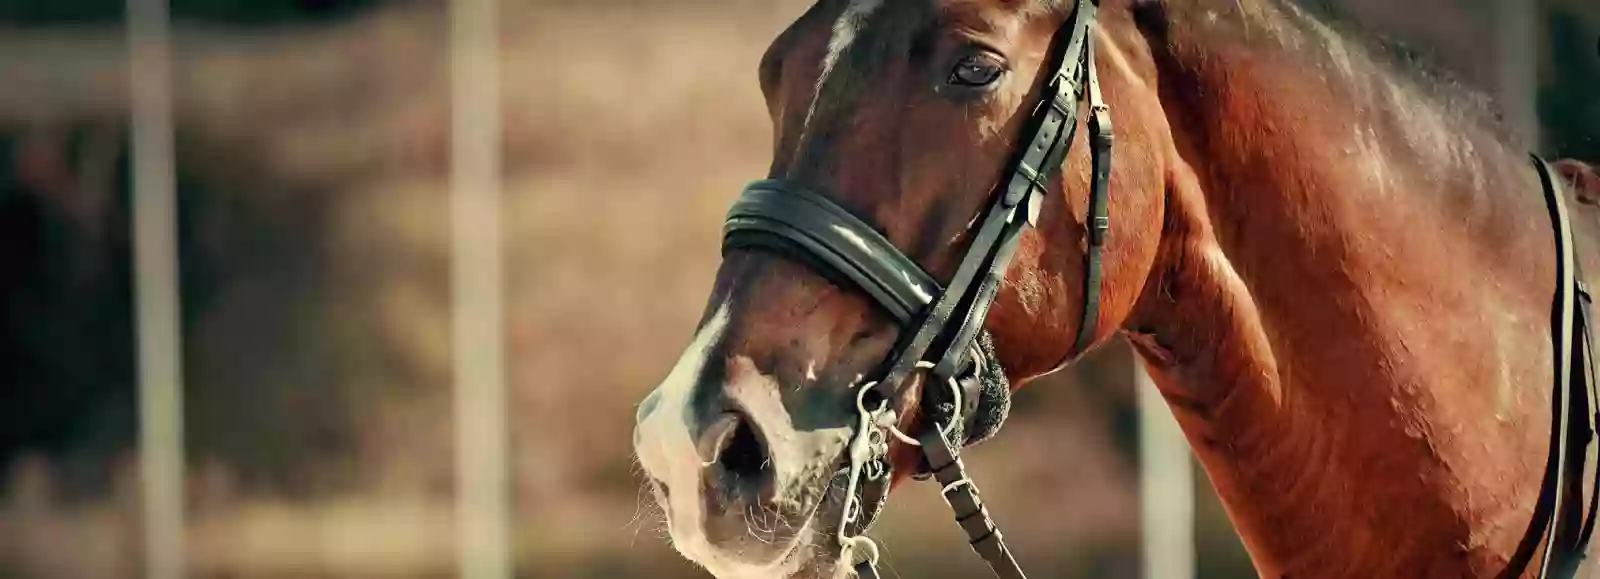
(1350, 322)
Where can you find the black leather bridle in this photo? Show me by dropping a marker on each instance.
(942, 326)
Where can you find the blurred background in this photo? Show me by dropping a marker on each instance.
(313, 164)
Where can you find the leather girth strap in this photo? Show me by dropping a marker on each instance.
(1575, 411)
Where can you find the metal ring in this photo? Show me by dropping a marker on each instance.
(955, 392)
(876, 470)
(947, 429)
(861, 399)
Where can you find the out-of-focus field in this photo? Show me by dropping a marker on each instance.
(313, 167)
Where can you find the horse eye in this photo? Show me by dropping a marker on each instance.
(976, 70)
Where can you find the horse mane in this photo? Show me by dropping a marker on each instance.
(1321, 35)
(1395, 58)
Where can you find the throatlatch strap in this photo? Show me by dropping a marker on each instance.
(1098, 221)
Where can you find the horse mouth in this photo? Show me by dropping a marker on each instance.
(800, 526)
(760, 535)
(743, 541)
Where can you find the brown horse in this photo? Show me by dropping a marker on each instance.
(1338, 271)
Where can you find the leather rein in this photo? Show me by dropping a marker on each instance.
(946, 343)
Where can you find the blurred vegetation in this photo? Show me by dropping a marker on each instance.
(314, 239)
(241, 12)
(1569, 98)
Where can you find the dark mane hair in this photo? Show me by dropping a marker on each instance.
(1320, 32)
(1425, 71)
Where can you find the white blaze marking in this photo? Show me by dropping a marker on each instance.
(664, 447)
(845, 29)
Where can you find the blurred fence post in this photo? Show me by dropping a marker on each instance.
(156, 288)
(482, 448)
(1166, 486)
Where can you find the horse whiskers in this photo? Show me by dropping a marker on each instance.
(760, 529)
(639, 505)
(659, 522)
(643, 511)
(750, 529)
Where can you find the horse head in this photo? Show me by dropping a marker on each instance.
(904, 115)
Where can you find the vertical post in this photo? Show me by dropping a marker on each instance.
(481, 435)
(155, 261)
(1516, 38)
(1166, 489)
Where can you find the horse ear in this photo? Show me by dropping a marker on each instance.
(1585, 179)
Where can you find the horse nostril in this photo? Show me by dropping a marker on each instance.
(745, 456)
(738, 462)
